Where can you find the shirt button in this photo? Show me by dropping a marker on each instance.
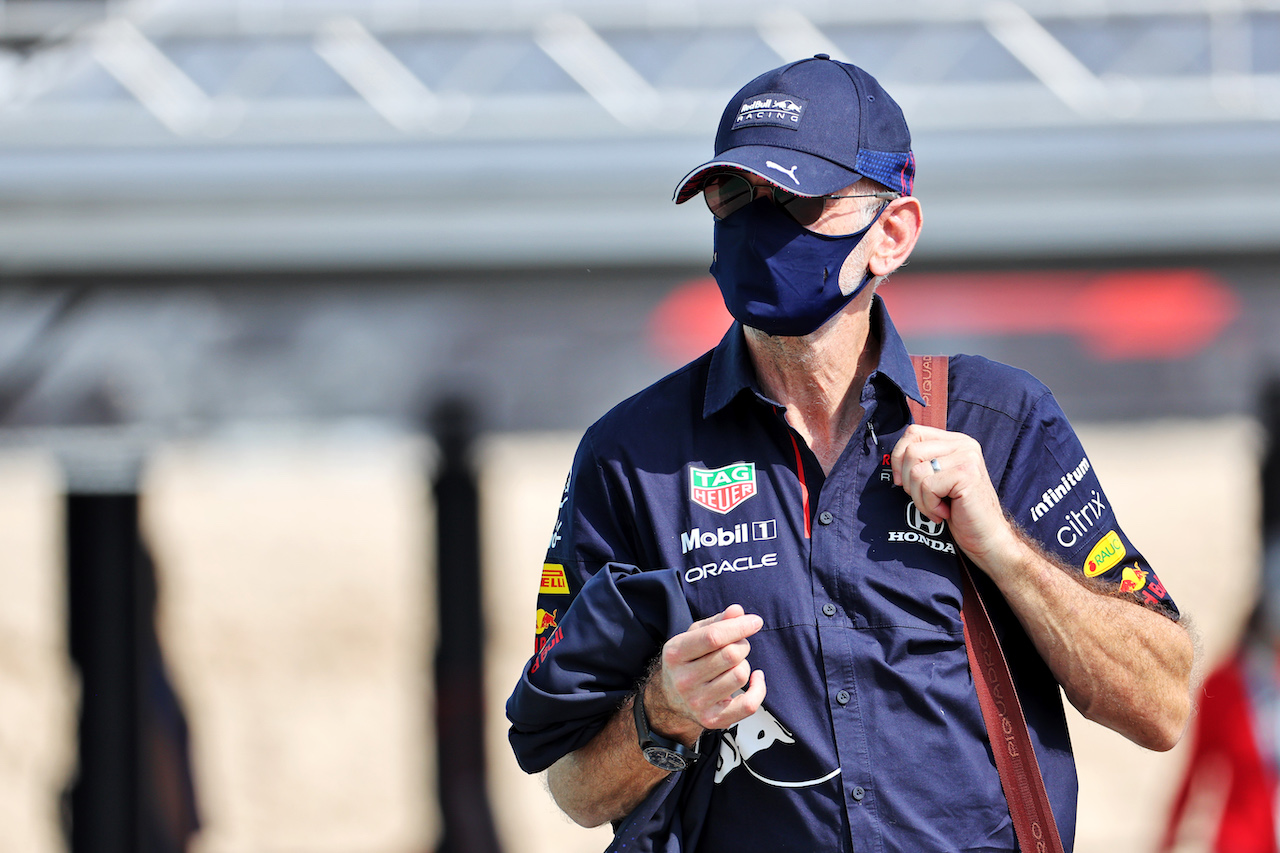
(829, 609)
(843, 697)
(858, 793)
(826, 517)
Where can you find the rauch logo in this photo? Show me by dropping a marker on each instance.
(722, 489)
(1105, 555)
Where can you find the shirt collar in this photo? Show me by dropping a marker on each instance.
(731, 371)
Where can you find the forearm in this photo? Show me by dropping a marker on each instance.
(1119, 663)
(606, 779)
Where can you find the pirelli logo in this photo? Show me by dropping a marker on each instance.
(553, 580)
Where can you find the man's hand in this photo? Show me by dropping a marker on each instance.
(946, 476)
(700, 684)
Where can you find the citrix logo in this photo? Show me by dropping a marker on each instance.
(1081, 521)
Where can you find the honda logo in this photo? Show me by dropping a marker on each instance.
(917, 520)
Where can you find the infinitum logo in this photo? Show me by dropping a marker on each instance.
(1052, 496)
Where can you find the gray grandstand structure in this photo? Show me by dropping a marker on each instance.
(218, 135)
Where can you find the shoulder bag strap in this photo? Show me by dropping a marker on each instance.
(1015, 757)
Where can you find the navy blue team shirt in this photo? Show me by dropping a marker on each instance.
(696, 494)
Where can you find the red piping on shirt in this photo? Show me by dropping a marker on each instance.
(804, 487)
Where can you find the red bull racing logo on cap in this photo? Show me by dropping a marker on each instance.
(722, 489)
(770, 108)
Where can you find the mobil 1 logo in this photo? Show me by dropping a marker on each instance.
(738, 534)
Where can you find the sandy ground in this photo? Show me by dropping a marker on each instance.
(37, 685)
(295, 611)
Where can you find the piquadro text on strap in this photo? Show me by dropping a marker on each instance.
(1015, 758)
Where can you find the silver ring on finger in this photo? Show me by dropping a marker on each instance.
(933, 463)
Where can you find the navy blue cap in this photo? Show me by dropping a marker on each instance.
(812, 127)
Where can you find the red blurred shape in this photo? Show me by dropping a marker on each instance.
(1173, 314)
(689, 321)
(1117, 315)
(1127, 314)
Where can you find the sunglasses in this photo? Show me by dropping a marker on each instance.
(727, 192)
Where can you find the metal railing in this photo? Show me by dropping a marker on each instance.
(230, 71)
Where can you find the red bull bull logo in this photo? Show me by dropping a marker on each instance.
(545, 620)
(1133, 579)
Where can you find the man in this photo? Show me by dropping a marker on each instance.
(773, 536)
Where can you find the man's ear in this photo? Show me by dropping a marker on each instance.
(896, 233)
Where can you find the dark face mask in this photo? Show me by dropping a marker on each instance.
(776, 275)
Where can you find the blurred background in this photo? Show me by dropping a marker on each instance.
(304, 305)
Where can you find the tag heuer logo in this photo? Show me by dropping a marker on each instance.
(722, 489)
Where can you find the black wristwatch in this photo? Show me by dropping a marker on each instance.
(663, 753)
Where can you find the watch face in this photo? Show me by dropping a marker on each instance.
(664, 759)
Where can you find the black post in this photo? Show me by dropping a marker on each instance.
(1269, 414)
(104, 628)
(460, 705)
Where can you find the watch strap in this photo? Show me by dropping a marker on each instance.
(664, 752)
